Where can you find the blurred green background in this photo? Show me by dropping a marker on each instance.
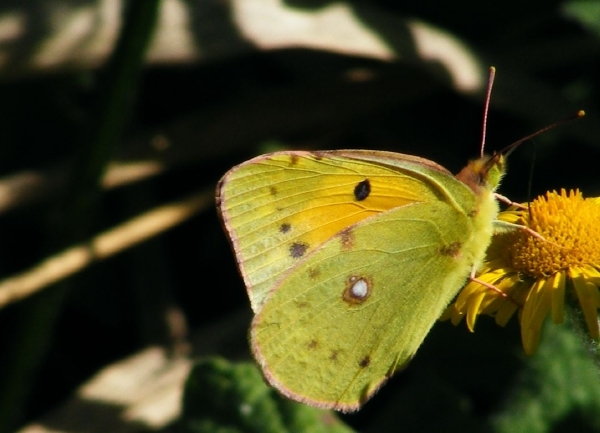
(118, 118)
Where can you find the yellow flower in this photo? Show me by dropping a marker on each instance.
(534, 275)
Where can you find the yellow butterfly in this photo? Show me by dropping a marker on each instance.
(349, 257)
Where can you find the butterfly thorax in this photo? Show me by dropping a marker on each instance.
(483, 176)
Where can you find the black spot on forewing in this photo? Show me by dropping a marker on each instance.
(284, 228)
(362, 190)
(272, 190)
(298, 249)
(365, 362)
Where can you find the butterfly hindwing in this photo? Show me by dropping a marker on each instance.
(338, 325)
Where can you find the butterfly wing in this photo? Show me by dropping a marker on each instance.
(356, 309)
(278, 208)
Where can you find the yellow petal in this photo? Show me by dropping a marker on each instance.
(557, 283)
(473, 310)
(536, 307)
(588, 295)
(591, 274)
(506, 308)
(505, 313)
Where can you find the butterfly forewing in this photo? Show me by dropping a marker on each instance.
(280, 207)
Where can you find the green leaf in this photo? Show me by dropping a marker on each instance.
(558, 391)
(587, 13)
(222, 397)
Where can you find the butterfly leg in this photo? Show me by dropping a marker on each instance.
(473, 278)
(509, 202)
(504, 226)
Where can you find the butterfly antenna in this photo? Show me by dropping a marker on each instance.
(530, 180)
(486, 107)
(509, 149)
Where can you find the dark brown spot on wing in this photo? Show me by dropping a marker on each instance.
(301, 304)
(298, 249)
(357, 290)
(272, 190)
(293, 159)
(347, 237)
(284, 228)
(365, 362)
(452, 250)
(362, 190)
(312, 344)
(334, 355)
(313, 273)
